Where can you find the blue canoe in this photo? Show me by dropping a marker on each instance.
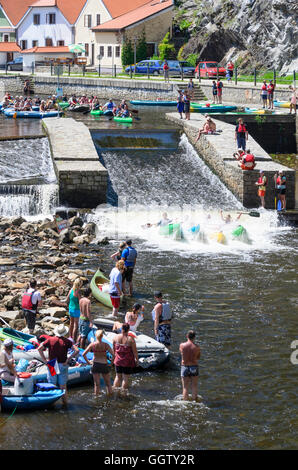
(31, 114)
(36, 401)
(153, 103)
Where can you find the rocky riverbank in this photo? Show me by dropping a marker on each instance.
(37, 250)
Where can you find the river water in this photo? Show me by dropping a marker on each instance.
(240, 298)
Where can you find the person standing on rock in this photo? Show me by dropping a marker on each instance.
(129, 256)
(73, 300)
(31, 300)
(190, 354)
(241, 134)
(180, 104)
(214, 92)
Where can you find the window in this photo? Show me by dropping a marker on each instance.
(49, 42)
(34, 43)
(87, 21)
(60, 43)
(97, 20)
(5, 38)
(23, 44)
(51, 18)
(36, 19)
(101, 51)
(117, 51)
(109, 51)
(86, 49)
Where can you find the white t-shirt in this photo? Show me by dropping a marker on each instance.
(36, 297)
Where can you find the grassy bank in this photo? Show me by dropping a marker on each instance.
(288, 159)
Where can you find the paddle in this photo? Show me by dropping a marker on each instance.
(279, 205)
(251, 213)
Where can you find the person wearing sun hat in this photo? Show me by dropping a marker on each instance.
(7, 367)
(58, 347)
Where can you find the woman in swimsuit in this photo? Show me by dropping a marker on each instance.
(126, 357)
(100, 363)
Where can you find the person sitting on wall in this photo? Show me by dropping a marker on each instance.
(208, 128)
(247, 162)
(239, 154)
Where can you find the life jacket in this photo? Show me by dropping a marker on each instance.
(166, 312)
(242, 128)
(27, 301)
(280, 183)
(249, 158)
(260, 180)
(132, 254)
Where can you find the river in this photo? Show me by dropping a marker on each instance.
(240, 298)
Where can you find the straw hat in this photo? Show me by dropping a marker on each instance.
(61, 330)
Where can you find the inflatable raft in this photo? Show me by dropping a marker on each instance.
(35, 401)
(10, 113)
(240, 233)
(63, 104)
(108, 112)
(174, 230)
(123, 120)
(219, 237)
(96, 112)
(81, 108)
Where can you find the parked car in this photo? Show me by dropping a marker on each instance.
(155, 67)
(209, 69)
(16, 64)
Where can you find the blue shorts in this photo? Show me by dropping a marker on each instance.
(60, 379)
(189, 371)
(75, 314)
(84, 328)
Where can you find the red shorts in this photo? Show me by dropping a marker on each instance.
(115, 301)
(261, 193)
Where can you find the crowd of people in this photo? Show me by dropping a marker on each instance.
(26, 103)
(93, 104)
(65, 344)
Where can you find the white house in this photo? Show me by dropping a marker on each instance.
(41, 54)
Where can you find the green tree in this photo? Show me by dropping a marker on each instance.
(166, 49)
(141, 47)
(127, 55)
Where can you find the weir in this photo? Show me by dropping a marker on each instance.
(82, 179)
(217, 152)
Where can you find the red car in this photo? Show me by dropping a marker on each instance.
(209, 69)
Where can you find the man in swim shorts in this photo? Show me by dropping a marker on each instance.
(190, 354)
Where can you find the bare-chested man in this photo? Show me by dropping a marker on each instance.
(190, 354)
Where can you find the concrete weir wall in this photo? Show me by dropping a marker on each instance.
(116, 88)
(217, 152)
(82, 179)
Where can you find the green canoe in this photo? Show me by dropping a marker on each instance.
(171, 230)
(18, 338)
(96, 112)
(241, 234)
(98, 280)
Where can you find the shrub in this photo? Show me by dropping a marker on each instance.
(166, 49)
(141, 47)
(192, 59)
(127, 54)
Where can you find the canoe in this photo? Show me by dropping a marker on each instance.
(36, 401)
(219, 237)
(96, 112)
(63, 104)
(31, 114)
(96, 285)
(258, 111)
(123, 119)
(212, 109)
(153, 103)
(17, 337)
(240, 233)
(151, 353)
(169, 229)
(281, 104)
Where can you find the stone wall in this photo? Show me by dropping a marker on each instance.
(243, 94)
(82, 179)
(216, 151)
(118, 88)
